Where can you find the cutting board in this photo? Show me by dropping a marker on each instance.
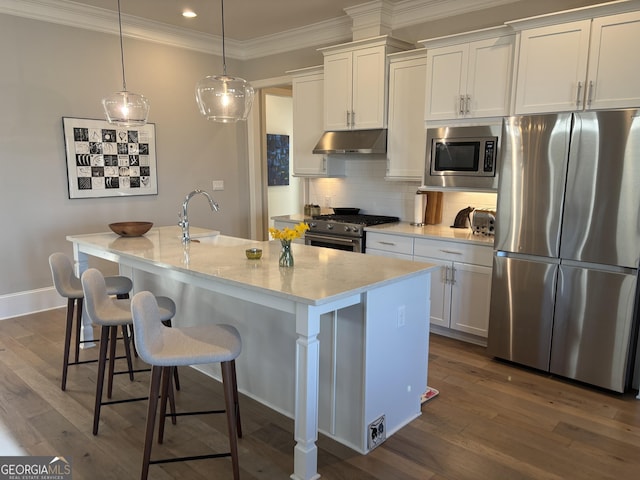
(433, 211)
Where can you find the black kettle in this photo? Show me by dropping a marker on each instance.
(463, 218)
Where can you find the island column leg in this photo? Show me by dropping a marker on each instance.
(82, 264)
(305, 453)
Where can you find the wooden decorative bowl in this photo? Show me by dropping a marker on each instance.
(131, 229)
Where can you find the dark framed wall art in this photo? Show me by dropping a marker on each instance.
(277, 159)
(105, 160)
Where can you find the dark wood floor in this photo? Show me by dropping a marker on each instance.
(490, 421)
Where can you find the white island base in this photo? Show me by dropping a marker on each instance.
(339, 342)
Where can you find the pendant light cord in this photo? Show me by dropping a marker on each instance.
(124, 82)
(224, 57)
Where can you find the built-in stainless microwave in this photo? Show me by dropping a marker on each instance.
(462, 158)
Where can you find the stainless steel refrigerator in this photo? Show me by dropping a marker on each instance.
(563, 294)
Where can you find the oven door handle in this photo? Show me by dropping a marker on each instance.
(331, 239)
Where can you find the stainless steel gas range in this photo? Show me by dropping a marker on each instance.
(343, 232)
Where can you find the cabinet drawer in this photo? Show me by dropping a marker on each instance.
(454, 251)
(389, 243)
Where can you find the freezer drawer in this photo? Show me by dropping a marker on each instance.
(593, 326)
(521, 315)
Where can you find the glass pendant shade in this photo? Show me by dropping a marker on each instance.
(225, 99)
(126, 109)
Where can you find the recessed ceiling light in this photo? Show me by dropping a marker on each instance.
(189, 14)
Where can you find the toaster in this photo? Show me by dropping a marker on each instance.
(483, 222)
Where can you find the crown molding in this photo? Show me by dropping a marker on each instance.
(413, 12)
(339, 30)
(310, 36)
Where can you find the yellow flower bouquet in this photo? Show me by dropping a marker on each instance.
(289, 233)
(285, 236)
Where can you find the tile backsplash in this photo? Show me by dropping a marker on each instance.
(364, 187)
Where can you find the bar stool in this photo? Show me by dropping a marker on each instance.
(69, 287)
(165, 348)
(110, 313)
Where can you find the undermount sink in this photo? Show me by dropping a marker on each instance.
(221, 240)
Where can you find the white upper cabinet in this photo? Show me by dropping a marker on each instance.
(355, 83)
(469, 75)
(584, 64)
(552, 68)
(308, 105)
(614, 71)
(406, 137)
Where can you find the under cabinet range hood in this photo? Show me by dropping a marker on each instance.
(353, 141)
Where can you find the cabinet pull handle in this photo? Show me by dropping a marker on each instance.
(387, 243)
(453, 275)
(446, 274)
(578, 94)
(348, 118)
(590, 94)
(453, 252)
(461, 106)
(467, 103)
(353, 118)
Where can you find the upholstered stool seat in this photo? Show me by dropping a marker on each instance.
(110, 313)
(165, 348)
(68, 285)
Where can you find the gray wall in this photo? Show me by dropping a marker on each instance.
(50, 71)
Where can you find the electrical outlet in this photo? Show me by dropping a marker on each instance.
(401, 316)
(377, 433)
(217, 185)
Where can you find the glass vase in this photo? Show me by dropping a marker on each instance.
(286, 256)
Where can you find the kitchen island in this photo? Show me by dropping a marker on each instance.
(339, 341)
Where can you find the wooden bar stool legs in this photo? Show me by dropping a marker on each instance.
(164, 349)
(160, 386)
(108, 337)
(68, 285)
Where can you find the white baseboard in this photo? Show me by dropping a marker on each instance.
(32, 301)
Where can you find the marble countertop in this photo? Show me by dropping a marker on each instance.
(437, 232)
(320, 275)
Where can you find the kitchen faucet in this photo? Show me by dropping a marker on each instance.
(184, 219)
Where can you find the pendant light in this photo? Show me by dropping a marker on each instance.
(223, 98)
(125, 108)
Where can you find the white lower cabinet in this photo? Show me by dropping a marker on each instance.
(460, 295)
(389, 245)
(460, 290)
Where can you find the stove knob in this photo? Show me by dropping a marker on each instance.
(347, 228)
(330, 227)
(313, 225)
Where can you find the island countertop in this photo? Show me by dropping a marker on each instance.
(319, 275)
(375, 314)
